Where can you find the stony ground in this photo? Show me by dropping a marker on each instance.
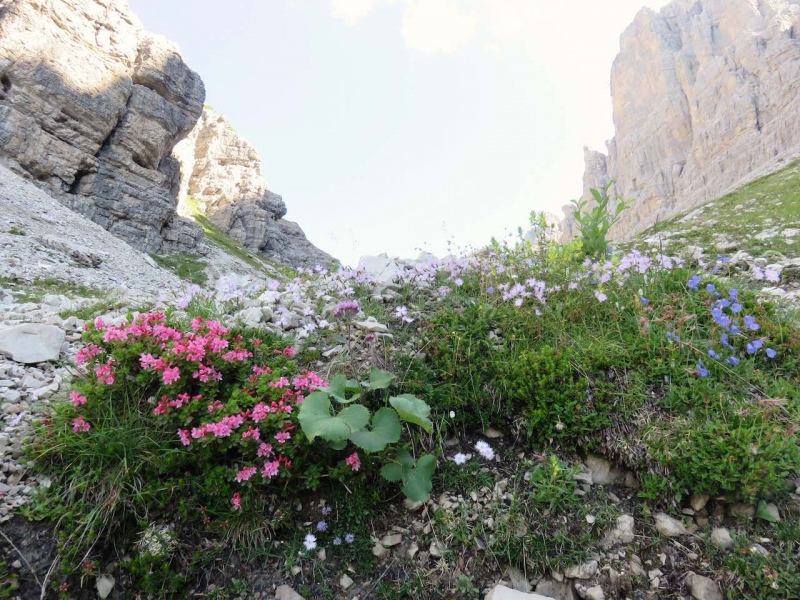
(58, 270)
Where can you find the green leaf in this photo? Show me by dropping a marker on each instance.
(356, 417)
(338, 388)
(341, 445)
(412, 410)
(385, 430)
(764, 513)
(316, 419)
(392, 472)
(417, 482)
(378, 379)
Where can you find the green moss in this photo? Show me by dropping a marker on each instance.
(767, 204)
(185, 266)
(34, 291)
(230, 246)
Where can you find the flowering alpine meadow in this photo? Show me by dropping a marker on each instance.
(227, 421)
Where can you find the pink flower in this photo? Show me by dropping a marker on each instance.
(281, 383)
(260, 412)
(245, 474)
(171, 375)
(147, 362)
(79, 424)
(184, 435)
(353, 461)
(216, 405)
(270, 469)
(205, 373)
(252, 433)
(236, 501)
(264, 450)
(104, 373)
(283, 437)
(86, 353)
(77, 399)
(289, 351)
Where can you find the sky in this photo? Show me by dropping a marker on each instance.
(406, 125)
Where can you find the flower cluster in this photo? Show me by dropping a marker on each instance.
(231, 400)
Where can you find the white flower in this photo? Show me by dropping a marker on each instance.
(310, 542)
(452, 414)
(460, 458)
(485, 450)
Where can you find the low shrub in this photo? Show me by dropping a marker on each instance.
(214, 432)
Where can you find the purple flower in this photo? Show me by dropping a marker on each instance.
(326, 510)
(337, 541)
(701, 370)
(732, 360)
(714, 355)
(750, 323)
(349, 538)
(671, 336)
(710, 288)
(645, 301)
(771, 353)
(736, 307)
(490, 289)
(322, 526)
(733, 293)
(754, 346)
(694, 282)
(346, 307)
(600, 296)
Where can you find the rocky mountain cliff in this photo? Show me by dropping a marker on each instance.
(222, 178)
(91, 108)
(706, 96)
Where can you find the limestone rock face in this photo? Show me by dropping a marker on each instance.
(706, 96)
(222, 178)
(91, 106)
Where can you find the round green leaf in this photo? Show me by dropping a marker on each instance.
(412, 410)
(316, 419)
(378, 379)
(417, 482)
(385, 430)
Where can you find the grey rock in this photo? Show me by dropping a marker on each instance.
(703, 101)
(250, 317)
(586, 570)
(222, 173)
(32, 342)
(501, 592)
(702, 588)
(602, 470)
(371, 325)
(699, 501)
(92, 115)
(622, 532)
(744, 511)
(590, 593)
(668, 526)
(104, 585)
(555, 589)
(721, 538)
(284, 592)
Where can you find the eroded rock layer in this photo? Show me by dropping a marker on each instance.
(91, 107)
(222, 177)
(706, 95)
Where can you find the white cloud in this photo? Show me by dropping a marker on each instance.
(351, 10)
(431, 26)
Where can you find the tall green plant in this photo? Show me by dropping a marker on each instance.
(595, 223)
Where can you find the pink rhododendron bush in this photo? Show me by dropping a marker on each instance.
(221, 426)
